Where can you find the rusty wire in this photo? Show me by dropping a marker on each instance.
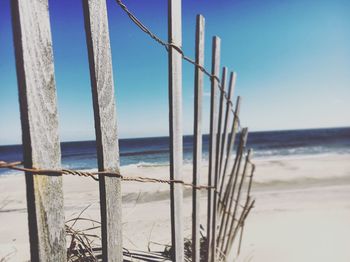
(16, 165)
(168, 46)
(37, 171)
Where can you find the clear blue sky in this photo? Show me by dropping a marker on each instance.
(292, 60)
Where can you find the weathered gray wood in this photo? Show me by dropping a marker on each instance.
(175, 127)
(223, 149)
(245, 171)
(237, 162)
(247, 208)
(101, 74)
(229, 196)
(230, 146)
(237, 199)
(41, 147)
(228, 200)
(240, 240)
(241, 147)
(222, 104)
(197, 140)
(244, 212)
(217, 156)
(211, 229)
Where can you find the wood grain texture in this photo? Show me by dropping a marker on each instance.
(224, 145)
(237, 199)
(222, 106)
(229, 198)
(237, 162)
(39, 119)
(212, 145)
(230, 145)
(100, 60)
(175, 128)
(197, 141)
(217, 155)
(244, 213)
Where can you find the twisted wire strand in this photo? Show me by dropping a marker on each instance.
(17, 166)
(167, 47)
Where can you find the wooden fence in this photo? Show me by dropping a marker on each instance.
(226, 210)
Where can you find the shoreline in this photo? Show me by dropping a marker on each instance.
(188, 162)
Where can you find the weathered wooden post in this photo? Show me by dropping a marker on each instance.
(175, 127)
(245, 212)
(222, 105)
(223, 149)
(101, 75)
(229, 148)
(237, 199)
(211, 229)
(231, 187)
(41, 146)
(217, 158)
(197, 140)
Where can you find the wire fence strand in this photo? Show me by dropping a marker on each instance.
(18, 166)
(168, 46)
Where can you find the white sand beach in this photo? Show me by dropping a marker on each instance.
(302, 210)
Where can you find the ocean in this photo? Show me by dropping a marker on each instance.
(155, 150)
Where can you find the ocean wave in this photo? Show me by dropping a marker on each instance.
(142, 164)
(10, 173)
(300, 151)
(144, 152)
(301, 182)
(276, 157)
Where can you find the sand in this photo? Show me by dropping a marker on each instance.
(302, 210)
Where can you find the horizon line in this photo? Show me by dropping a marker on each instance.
(163, 136)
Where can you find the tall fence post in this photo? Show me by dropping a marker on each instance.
(231, 142)
(237, 199)
(197, 140)
(212, 146)
(101, 74)
(222, 105)
(223, 151)
(217, 158)
(39, 119)
(175, 127)
(231, 187)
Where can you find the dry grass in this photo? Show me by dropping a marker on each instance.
(84, 245)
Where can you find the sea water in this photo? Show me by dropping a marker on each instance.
(153, 151)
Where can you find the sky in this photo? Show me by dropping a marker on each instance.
(292, 60)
